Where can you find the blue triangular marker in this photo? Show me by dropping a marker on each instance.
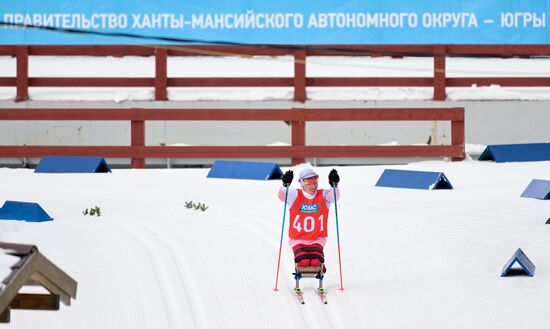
(487, 154)
(425, 180)
(72, 164)
(516, 152)
(537, 189)
(442, 183)
(548, 221)
(245, 170)
(523, 261)
(25, 211)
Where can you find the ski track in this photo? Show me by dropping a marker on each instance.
(210, 276)
(37, 319)
(141, 303)
(313, 308)
(259, 230)
(172, 293)
(185, 275)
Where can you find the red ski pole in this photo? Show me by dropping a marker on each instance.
(281, 244)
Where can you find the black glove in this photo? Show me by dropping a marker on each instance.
(333, 178)
(287, 178)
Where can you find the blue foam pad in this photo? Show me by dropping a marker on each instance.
(72, 164)
(425, 180)
(522, 260)
(517, 152)
(537, 189)
(245, 170)
(548, 221)
(25, 211)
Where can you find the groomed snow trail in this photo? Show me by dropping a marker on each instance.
(177, 302)
(411, 258)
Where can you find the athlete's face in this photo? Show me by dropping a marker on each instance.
(311, 188)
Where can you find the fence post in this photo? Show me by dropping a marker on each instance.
(457, 136)
(298, 138)
(439, 74)
(137, 139)
(161, 74)
(22, 74)
(300, 76)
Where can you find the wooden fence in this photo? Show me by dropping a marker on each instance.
(299, 81)
(297, 151)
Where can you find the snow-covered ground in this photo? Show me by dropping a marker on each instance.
(411, 258)
(262, 66)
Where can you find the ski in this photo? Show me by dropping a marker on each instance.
(299, 295)
(323, 295)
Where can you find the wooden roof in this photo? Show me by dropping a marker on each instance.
(33, 269)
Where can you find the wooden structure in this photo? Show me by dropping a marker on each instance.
(299, 81)
(34, 269)
(297, 151)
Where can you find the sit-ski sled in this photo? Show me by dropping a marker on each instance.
(316, 272)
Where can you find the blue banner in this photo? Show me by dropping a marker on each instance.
(274, 22)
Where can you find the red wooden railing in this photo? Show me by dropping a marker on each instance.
(299, 80)
(297, 151)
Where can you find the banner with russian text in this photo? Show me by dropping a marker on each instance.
(274, 22)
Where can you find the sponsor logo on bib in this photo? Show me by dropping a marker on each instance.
(309, 207)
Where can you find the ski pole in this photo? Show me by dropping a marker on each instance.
(338, 238)
(281, 243)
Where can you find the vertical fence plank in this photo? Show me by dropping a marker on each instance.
(300, 76)
(22, 78)
(439, 74)
(138, 139)
(161, 74)
(298, 138)
(458, 138)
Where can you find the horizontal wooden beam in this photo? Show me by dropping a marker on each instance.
(235, 151)
(239, 51)
(7, 50)
(35, 302)
(373, 114)
(148, 50)
(91, 82)
(7, 82)
(376, 50)
(230, 82)
(97, 50)
(498, 50)
(501, 81)
(279, 82)
(274, 50)
(369, 82)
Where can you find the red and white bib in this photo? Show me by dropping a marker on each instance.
(308, 217)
